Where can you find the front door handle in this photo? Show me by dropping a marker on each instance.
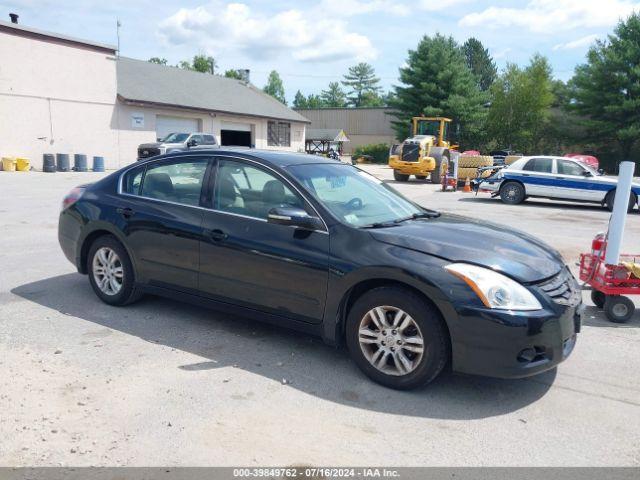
(217, 235)
(125, 212)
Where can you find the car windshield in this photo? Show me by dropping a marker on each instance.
(175, 138)
(355, 197)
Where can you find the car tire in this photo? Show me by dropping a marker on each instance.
(618, 309)
(419, 321)
(400, 177)
(111, 273)
(512, 193)
(609, 200)
(598, 298)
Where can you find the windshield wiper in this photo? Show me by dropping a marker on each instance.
(418, 215)
(380, 225)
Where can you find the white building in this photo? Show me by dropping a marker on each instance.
(64, 95)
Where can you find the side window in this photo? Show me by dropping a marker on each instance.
(179, 182)
(132, 181)
(198, 139)
(567, 167)
(209, 140)
(247, 190)
(541, 165)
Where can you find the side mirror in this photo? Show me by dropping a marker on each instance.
(586, 173)
(192, 142)
(601, 171)
(295, 217)
(158, 139)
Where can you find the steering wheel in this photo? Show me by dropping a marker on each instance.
(354, 204)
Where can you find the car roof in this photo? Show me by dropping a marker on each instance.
(270, 157)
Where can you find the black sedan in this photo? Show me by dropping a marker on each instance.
(321, 246)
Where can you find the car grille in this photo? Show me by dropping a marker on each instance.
(563, 289)
(146, 152)
(410, 152)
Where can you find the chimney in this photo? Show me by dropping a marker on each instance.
(14, 17)
(245, 74)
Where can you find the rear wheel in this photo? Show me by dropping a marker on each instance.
(512, 193)
(598, 298)
(400, 177)
(618, 309)
(110, 272)
(397, 338)
(609, 200)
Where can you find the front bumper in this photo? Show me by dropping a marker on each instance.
(424, 166)
(514, 344)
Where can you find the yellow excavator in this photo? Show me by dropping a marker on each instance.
(424, 152)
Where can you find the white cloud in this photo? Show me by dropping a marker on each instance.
(348, 8)
(440, 5)
(217, 27)
(498, 54)
(579, 43)
(552, 16)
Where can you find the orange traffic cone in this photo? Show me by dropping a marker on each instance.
(467, 186)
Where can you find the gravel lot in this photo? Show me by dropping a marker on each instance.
(164, 383)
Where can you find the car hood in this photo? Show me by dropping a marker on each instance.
(460, 239)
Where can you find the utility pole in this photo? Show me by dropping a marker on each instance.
(118, 25)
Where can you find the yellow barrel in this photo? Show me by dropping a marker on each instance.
(23, 164)
(8, 164)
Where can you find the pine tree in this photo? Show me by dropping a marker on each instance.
(334, 96)
(300, 101)
(607, 88)
(274, 87)
(480, 63)
(436, 81)
(361, 80)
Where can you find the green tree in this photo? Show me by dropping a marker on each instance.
(233, 74)
(334, 96)
(158, 60)
(606, 90)
(274, 87)
(300, 101)
(204, 64)
(436, 81)
(315, 101)
(480, 63)
(361, 80)
(372, 99)
(519, 116)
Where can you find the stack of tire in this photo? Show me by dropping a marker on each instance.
(509, 159)
(468, 166)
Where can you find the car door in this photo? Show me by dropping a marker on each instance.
(252, 263)
(163, 220)
(575, 182)
(537, 176)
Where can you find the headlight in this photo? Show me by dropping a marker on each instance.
(495, 290)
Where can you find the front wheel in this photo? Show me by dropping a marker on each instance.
(512, 193)
(397, 338)
(618, 309)
(400, 177)
(610, 200)
(598, 298)
(110, 272)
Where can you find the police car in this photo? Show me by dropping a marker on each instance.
(554, 177)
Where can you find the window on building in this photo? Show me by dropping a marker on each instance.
(279, 134)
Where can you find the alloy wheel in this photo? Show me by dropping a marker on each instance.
(107, 271)
(391, 340)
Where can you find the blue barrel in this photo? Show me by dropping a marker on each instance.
(80, 162)
(98, 164)
(48, 163)
(62, 162)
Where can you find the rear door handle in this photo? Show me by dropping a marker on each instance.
(126, 212)
(217, 235)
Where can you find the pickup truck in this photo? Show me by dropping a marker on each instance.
(176, 142)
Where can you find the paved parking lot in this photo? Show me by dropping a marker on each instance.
(164, 383)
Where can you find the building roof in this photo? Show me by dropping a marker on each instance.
(149, 83)
(18, 29)
(327, 134)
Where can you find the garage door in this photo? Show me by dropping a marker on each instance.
(234, 133)
(167, 125)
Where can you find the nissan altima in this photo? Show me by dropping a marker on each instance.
(321, 246)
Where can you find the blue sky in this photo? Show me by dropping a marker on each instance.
(314, 42)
